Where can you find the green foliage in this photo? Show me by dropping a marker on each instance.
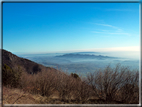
(75, 76)
(10, 77)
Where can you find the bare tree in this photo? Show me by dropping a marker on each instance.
(82, 91)
(64, 85)
(41, 83)
(129, 92)
(106, 83)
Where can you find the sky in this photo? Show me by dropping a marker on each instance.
(70, 27)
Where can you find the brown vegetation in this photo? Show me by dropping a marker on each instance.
(105, 86)
(108, 86)
(117, 84)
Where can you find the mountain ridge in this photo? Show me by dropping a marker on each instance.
(26, 65)
(77, 55)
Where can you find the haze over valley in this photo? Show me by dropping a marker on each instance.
(81, 62)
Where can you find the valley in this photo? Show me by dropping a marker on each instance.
(68, 79)
(81, 62)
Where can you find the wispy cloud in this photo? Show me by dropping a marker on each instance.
(114, 31)
(120, 10)
(109, 26)
(129, 48)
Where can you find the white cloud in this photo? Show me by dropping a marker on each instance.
(115, 30)
(114, 27)
(119, 10)
(130, 48)
(107, 25)
(111, 33)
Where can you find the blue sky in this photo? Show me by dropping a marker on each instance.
(67, 27)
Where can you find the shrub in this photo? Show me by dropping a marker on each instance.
(76, 76)
(82, 91)
(41, 83)
(129, 92)
(64, 85)
(11, 77)
(106, 83)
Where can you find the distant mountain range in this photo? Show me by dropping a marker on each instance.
(85, 52)
(73, 55)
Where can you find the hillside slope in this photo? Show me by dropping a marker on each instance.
(14, 61)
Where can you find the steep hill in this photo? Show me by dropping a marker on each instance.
(14, 61)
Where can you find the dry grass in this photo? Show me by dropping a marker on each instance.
(17, 96)
(108, 86)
